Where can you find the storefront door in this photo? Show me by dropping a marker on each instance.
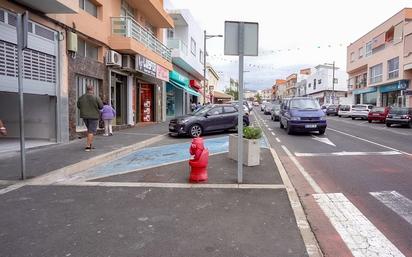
(118, 92)
(146, 103)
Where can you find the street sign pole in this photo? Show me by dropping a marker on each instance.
(22, 29)
(240, 99)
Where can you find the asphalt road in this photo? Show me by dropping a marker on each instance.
(355, 183)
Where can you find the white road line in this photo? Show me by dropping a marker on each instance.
(346, 154)
(371, 142)
(272, 133)
(175, 185)
(308, 178)
(278, 140)
(269, 129)
(396, 202)
(266, 125)
(360, 235)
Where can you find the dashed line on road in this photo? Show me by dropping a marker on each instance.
(277, 140)
(272, 133)
(269, 129)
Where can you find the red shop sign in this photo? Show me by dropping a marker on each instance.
(196, 85)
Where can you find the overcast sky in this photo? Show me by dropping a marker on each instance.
(293, 34)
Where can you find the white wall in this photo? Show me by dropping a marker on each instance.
(326, 75)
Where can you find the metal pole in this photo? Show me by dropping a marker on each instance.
(20, 45)
(333, 83)
(204, 67)
(240, 117)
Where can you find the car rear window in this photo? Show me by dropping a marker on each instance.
(344, 108)
(360, 107)
(399, 111)
(378, 109)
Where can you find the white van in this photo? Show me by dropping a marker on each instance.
(345, 110)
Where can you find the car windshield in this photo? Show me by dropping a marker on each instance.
(304, 104)
(399, 111)
(202, 111)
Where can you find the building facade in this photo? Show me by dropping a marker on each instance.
(125, 60)
(319, 84)
(279, 89)
(379, 64)
(186, 42)
(212, 78)
(291, 89)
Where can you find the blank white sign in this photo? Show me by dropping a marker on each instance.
(250, 39)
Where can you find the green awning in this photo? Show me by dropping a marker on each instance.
(185, 87)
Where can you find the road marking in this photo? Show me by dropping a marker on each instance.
(311, 244)
(269, 129)
(371, 142)
(278, 140)
(346, 154)
(174, 185)
(308, 178)
(266, 125)
(324, 140)
(360, 235)
(396, 202)
(272, 133)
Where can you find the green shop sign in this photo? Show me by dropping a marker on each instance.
(178, 78)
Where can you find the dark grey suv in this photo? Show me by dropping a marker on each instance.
(211, 118)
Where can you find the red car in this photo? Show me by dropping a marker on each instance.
(378, 114)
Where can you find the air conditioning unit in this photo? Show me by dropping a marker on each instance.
(128, 63)
(113, 58)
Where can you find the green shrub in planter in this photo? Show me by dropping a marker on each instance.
(252, 133)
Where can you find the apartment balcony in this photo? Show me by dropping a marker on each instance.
(130, 37)
(52, 6)
(185, 59)
(153, 10)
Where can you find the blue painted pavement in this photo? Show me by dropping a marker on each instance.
(154, 156)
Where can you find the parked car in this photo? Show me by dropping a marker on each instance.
(245, 103)
(361, 111)
(262, 105)
(345, 110)
(275, 112)
(255, 103)
(268, 108)
(378, 114)
(332, 110)
(402, 116)
(302, 114)
(214, 117)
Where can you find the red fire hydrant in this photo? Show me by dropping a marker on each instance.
(198, 164)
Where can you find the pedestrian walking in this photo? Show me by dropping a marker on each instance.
(90, 106)
(3, 130)
(107, 115)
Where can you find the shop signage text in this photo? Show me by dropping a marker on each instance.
(162, 73)
(146, 66)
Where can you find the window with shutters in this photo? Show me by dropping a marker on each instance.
(89, 7)
(376, 74)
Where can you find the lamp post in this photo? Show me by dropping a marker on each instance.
(206, 36)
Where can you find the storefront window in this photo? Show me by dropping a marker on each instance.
(390, 98)
(170, 101)
(370, 98)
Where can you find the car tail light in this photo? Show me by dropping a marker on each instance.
(405, 116)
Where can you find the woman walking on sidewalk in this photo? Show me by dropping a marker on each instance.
(107, 115)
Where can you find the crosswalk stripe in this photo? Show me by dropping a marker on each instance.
(360, 235)
(396, 202)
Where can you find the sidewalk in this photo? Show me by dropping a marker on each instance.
(155, 211)
(44, 160)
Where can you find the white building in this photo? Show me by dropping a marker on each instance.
(266, 94)
(319, 84)
(185, 84)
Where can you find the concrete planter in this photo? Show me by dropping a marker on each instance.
(251, 150)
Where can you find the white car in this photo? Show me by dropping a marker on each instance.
(345, 110)
(361, 111)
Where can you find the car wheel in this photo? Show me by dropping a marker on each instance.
(322, 131)
(289, 130)
(195, 130)
(340, 116)
(327, 114)
(388, 125)
(369, 121)
(409, 125)
(353, 118)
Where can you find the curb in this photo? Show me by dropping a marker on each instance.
(53, 176)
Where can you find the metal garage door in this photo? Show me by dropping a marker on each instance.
(40, 59)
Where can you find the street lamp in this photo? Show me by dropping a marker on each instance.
(333, 81)
(204, 61)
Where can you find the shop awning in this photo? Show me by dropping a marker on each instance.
(184, 87)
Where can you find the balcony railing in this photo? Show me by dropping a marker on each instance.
(175, 43)
(128, 27)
